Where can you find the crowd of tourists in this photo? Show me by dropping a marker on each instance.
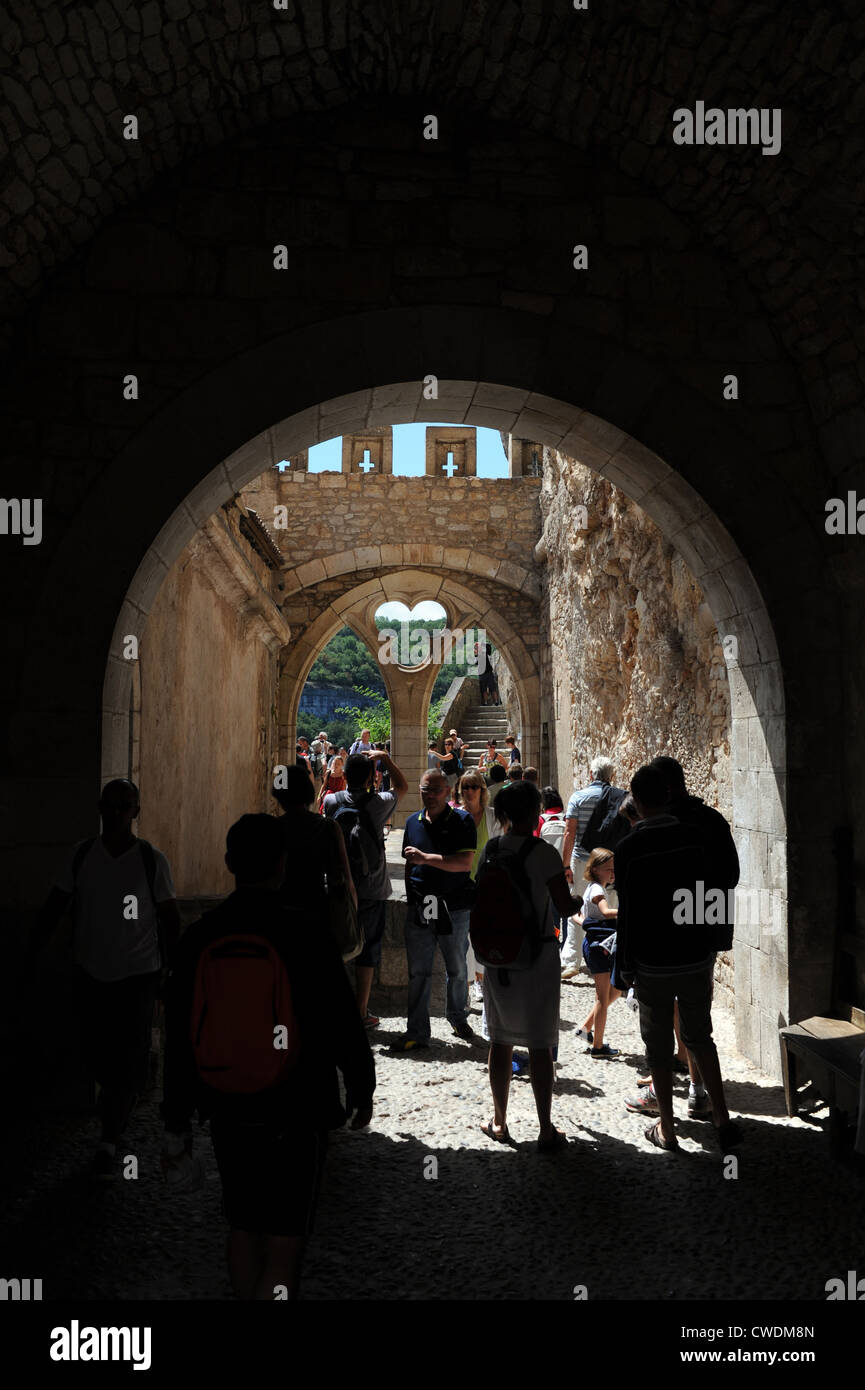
(519, 892)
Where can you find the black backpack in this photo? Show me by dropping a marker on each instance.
(606, 807)
(364, 846)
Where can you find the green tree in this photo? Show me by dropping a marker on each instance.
(374, 715)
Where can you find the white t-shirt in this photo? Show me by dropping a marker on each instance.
(542, 864)
(108, 942)
(591, 912)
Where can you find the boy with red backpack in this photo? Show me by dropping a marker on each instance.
(249, 1047)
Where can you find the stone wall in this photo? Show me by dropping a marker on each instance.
(632, 644)
(508, 695)
(632, 665)
(208, 717)
(331, 512)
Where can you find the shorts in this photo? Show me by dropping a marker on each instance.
(598, 960)
(117, 1019)
(656, 995)
(270, 1174)
(371, 918)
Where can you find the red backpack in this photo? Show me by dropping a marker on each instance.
(505, 930)
(241, 997)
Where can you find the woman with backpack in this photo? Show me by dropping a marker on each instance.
(521, 880)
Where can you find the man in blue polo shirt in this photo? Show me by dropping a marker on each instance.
(438, 846)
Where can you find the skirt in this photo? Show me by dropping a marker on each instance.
(525, 1011)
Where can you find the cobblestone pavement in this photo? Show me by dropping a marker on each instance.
(610, 1212)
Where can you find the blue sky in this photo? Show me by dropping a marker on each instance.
(409, 450)
(409, 460)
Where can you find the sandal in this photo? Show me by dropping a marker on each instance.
(730, 1135)
(653, 1134)
(559, 1140)
(501, 1136)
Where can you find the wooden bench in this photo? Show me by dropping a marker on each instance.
(829, 1051)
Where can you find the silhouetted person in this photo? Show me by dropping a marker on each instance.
(376, 810)
(724, 873)
(317, 866)
(126, 925)
(438, 846)
(692, 810)
(496, 779)
(251, 1044)
(522, 1006)
(660, 860)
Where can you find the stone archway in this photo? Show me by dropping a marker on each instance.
(408, 692)
(684, 517)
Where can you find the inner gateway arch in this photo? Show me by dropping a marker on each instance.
(290, 556)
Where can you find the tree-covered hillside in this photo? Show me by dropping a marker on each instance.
(346, 660)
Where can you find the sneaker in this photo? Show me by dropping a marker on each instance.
(644, 1102)
(605, 1051)
(570, 972)
(465, 1031)
(370, 1020)
(103, 1166)
(477, 992)
(631, 1002)
(581, 1033)
(406, 1044)
(699, 1107)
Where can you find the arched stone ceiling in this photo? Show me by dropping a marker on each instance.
(605, 80)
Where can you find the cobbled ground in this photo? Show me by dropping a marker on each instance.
(484, 1220)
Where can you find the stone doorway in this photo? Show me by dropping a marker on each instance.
(368, 574)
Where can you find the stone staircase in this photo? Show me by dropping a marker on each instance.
(477, 725)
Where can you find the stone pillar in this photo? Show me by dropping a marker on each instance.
(409, 693)
(378, 439)
(461, 442)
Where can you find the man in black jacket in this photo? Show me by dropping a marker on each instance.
(692, 810)
(269, 1141)
(663, 864)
